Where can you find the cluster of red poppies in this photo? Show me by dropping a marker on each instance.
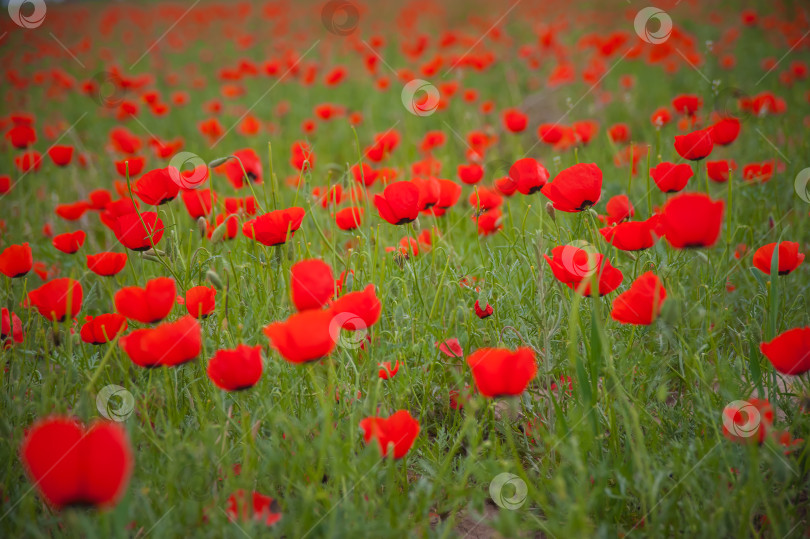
(389, 187)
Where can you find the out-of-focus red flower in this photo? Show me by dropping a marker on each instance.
(149, 304)
(399, 203)
(75, 466)
(201, 301)
(260, 508)
(696, 145)
(576, 267)
(103, 328)
(529, 175)
(156, 187)
(69, 242)
(312, 284)
(500, 372)
(129, 230)
(642, 303)
(168, 344)
(387, 371)
(57, 299)
(395, 435)
(671, 178)
(305, 336)
(237, 369)
(275, 227)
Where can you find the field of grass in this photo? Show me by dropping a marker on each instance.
(621, 430)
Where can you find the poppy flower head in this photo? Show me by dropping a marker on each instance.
(312, 284)
(529, 175)
(11, 329)
(201, 301)
(303, 337)
(156, 187)
(69, 242)
(275, 227)
(632, 235)
(789, 352)
(691, 220)
(394, 435)
(16, 260)
(149, 304)
(57, 299)
(250, 168)
(399, 202)
(103, 328)
(500, 372)
(168, 344)
(696, 145)
(671, 178)
(577, 267)
(748, 421)
(71, 465)
(788, 257)
(259, 508)
(106, 263)
(129, 229)
(357, 311)
(576, 188)
(619, 208)
(642, 303)
(237, 369)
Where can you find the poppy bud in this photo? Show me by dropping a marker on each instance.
(550, 211)
(218, 161)
(201, 226)
(214, 279)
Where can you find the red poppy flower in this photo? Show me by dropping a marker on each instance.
(500, 372)
(696, 145)
(364, 174)
(72, 212)
(789, 257)
(387, 371)
(56, 298)
(252, 168)
(486, 312)
(789, 352)
(686, 104)
(200, 301)
(449, 193)
(226, 232)
(719, 171)
(691, 220)
(98, 199)
(576, 188)
(529, 175)
(61, 155)
(761, 172)
(748, 421)
(661, 117)
(489, 222)
(135, 164)
(168, 344)
(671, 178)
(514, 120)
(725, 131)
(69, 242)
(506, 185)
(349, 218)
(619, 208)
(16, 260)
(156, 187)
(302, 157)
(106, 263)
(484, 199)
(357, 311)
(5, 184)
(550, 133)
(470, 174)
(395, 435)
(303, 337)
(149, 304)
(73, 465)
(272, 228)
(28, 161)
(632, 235)
(262, 508)
(11, 327)
(312, 284)
(642, 303)
(21, 136)
(237, 369)
(103, 328)
(429, 191)
(399, 203)
(129, 230)
(198, 202)
(575, 268)
(619, 133)
(450, 348)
